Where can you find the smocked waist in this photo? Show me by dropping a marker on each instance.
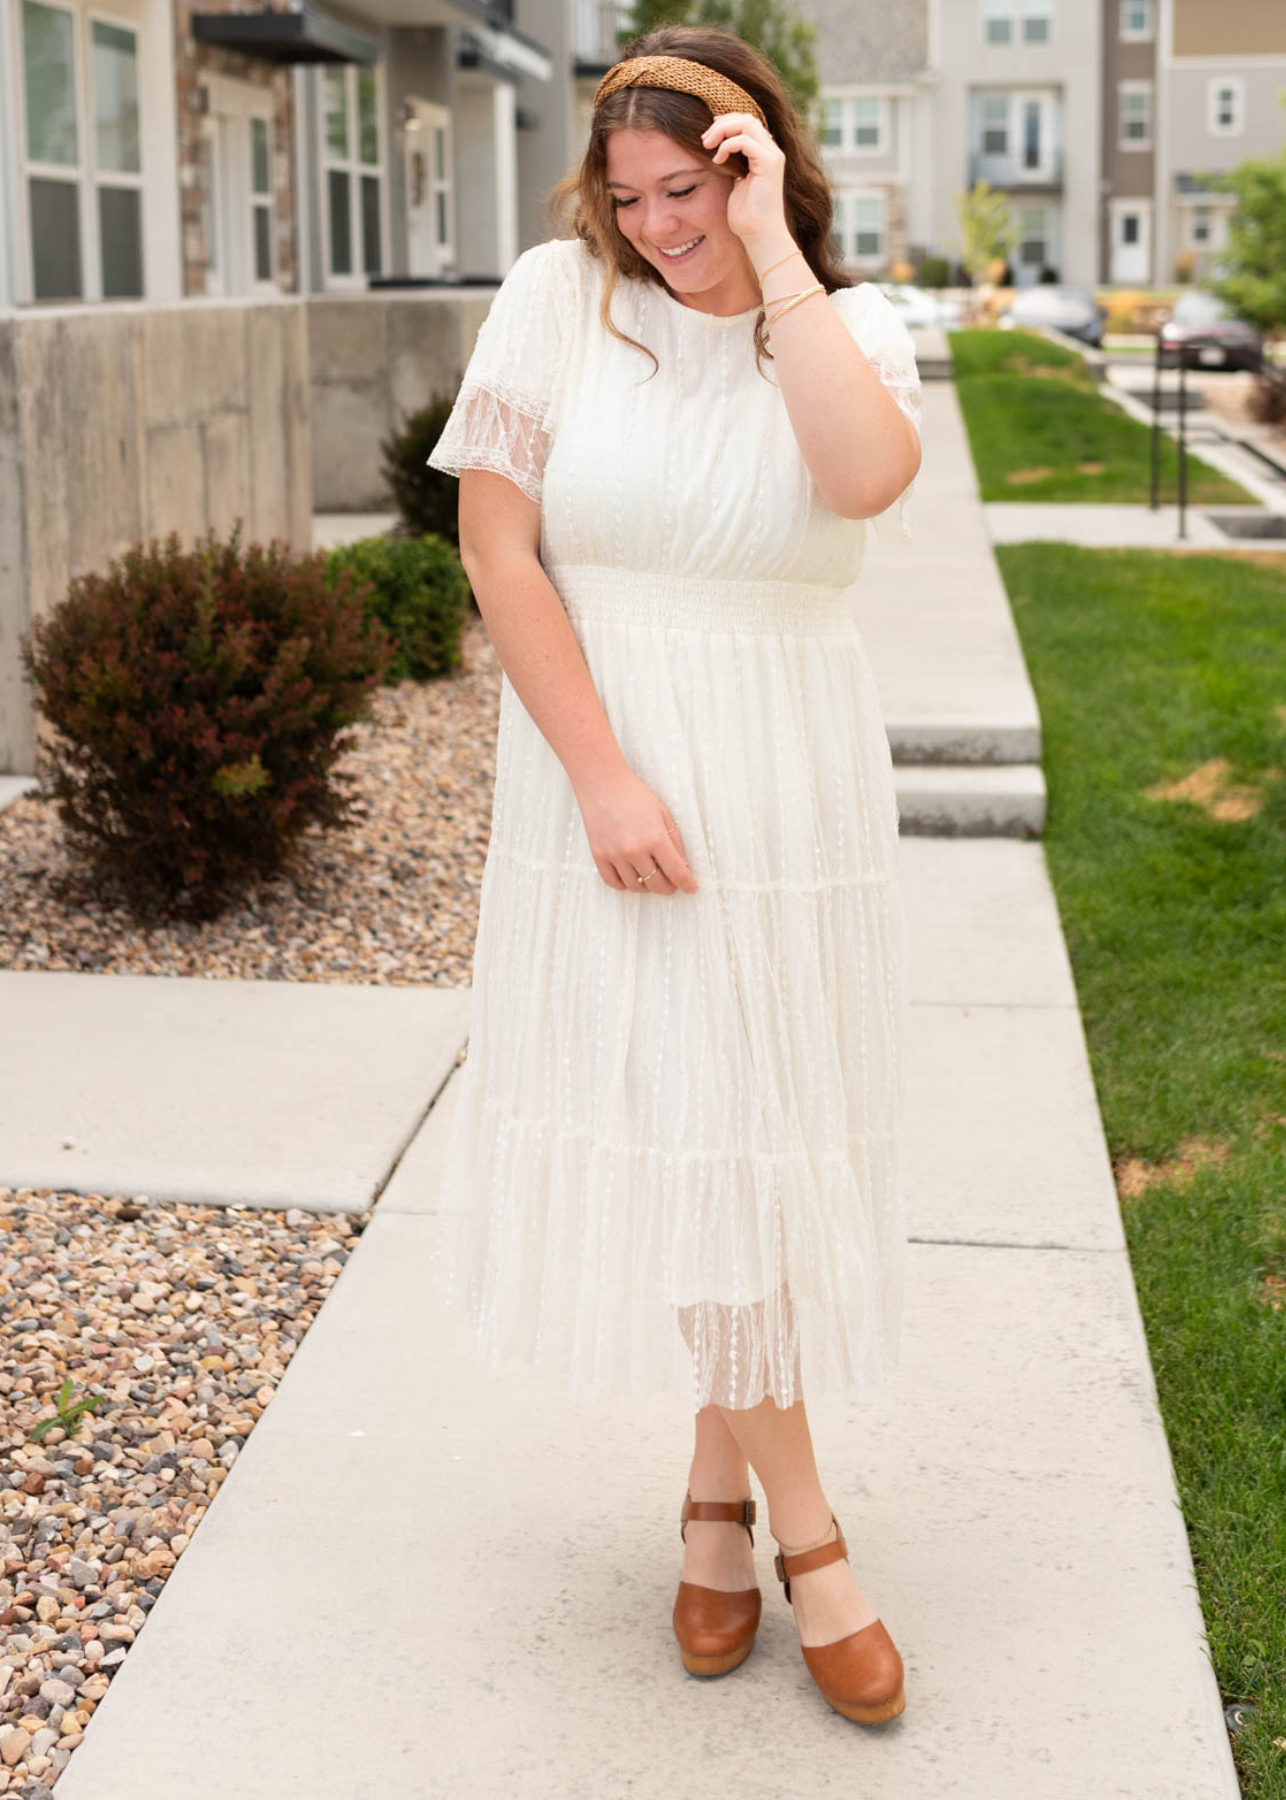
(700, 602)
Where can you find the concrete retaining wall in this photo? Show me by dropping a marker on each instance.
(374, 358)
(126, 421)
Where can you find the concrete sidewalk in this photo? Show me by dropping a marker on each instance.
(424, 1579)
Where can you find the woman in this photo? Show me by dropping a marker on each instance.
(675, 1156)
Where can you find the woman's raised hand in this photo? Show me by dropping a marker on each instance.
(632, 833)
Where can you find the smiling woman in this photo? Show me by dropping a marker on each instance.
(675, 1159)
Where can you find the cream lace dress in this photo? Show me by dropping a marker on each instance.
(675, 1158)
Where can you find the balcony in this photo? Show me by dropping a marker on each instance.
(1008, 172)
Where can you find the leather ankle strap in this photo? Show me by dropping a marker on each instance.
(808, 1560)
(730, 1512)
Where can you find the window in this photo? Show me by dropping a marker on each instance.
(1226, 106)
(1003, 21)
(353, 166)
(995, 125)
(1033, 239)
(440, 186)
(1033, 114)
(261, 198)
(1136, 21)
(1130, 228)
(1135, 115)
(1036, 21)
(860, 225)
(998, 21)
(868, 124)
(856, 122)
(84, 172)
(1200, 233)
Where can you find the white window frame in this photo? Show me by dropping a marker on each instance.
(997, 100)
(84, 175)
(1022, 237)
(1131, 89)
(1218, 212)
(1236, 86)
(847, 104)
(849, 198)
(246, 101)
(1015, 16)
(997, 12)
(1036, 11)
(355, 169)
(439, 119)
(1137, 34)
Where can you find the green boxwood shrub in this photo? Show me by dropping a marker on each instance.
(419, 592)
(935, 272)
(198, 699)
(427, 500)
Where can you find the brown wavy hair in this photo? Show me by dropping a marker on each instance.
(582, 199)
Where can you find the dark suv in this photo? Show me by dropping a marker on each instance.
(1204, 333)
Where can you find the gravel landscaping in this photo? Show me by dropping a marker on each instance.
(184, 1319)
(392, 900)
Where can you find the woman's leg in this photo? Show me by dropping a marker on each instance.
(717, 1554)
(828, 1603)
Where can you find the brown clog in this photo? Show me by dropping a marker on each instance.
(861, 1675)
(716, 1631)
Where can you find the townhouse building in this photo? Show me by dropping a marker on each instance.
(1016, 96)
(1220, 86)
(165, 149)
(875, 125)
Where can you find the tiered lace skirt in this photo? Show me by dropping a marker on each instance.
(675, 1159)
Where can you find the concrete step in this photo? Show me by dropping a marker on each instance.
(964, 739)
(979, 800)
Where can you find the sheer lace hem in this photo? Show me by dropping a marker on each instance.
(494, 425)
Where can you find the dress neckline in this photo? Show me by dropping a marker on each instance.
(715, 318)
(719, 319)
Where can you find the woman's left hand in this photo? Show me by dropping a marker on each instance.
(756, 205)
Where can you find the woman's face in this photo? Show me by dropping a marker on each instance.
(664, 197)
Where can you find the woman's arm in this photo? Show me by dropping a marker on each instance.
(630, 830)
(860, 447)
(526, 621)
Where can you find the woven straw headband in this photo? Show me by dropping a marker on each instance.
(720, 93)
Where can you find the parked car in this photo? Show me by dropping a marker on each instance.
(920, 310)
(1071, 310)
(1203, 330)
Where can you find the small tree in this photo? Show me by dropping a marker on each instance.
(1253, 276)
(784, 36)
(986, 227)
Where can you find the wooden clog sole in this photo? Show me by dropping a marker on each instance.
(716, 1665)
(870, 1715)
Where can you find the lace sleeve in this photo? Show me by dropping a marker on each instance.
(888, 346)
(503, 414)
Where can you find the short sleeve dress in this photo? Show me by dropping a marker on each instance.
(675, 1159)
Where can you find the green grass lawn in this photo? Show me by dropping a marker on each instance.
(1149, 667)
(1039, 429)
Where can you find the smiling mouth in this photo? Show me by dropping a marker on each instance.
(681, 249)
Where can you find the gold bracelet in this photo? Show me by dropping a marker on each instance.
(795, 300)
(780, 260)
(777, 299)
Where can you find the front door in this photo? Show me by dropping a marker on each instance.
(1131, 244)
(430, 222)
